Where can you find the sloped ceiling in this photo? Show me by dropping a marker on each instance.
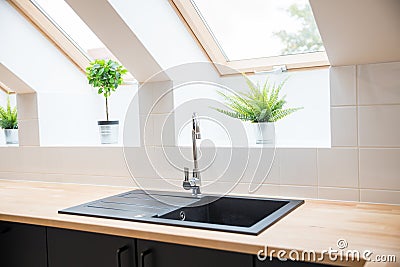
(146, 36)
(118, 37)
(9, 79)
(359, 31)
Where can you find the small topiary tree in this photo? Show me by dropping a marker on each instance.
(106, 75)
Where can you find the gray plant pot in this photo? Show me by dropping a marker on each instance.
(11, 136)
(264, 132)
(109, 131)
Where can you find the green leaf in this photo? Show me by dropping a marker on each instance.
(8, 117)
(259, 104)
(105, 75)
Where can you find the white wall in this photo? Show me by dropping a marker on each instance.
(70, 119)
(30, 55)
(68, 108)
(308, 127)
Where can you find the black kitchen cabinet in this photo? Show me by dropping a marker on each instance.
(22, 245)
(158, 254)
(288, 263)
(67, 248)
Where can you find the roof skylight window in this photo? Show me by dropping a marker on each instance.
(72, 26)
(238, 33)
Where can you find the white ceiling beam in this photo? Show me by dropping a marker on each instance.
(112, 30)
(359, 31)
(12, 81)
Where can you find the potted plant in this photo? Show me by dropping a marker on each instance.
(106, 75)
(8, 122)
(262, 106)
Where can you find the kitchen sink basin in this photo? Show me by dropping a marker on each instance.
(246, 215)
(236, 214)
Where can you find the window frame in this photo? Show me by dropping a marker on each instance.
(51, 31)
(5, 89)
(188, 14)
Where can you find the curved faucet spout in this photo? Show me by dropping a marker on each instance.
(194, 182)
(196, 125)
(195, 135)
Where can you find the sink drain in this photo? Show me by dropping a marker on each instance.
(182, 215)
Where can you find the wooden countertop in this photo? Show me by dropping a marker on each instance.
(317, 225)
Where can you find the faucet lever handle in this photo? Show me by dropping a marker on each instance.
(196, 173)
(186, 172)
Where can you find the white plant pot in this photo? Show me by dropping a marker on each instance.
(109, 131)
(264, 132)
(11, 136)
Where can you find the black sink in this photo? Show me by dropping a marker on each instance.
(227, 211)
(245, 215)
(235, 214)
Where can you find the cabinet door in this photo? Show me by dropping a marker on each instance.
(67, 248)
(22, 245)
(158, 254)
(278, 263)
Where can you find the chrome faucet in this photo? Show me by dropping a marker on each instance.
(194, 183)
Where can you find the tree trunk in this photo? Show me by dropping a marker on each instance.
(107, 108)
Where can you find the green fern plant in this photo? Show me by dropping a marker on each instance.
(8, 117)
(260, 104)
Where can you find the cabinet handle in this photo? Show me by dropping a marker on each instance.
(119, 252)
(143, 256)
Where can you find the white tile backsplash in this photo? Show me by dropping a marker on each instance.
(379, 126)
(338, 167)
(69, 178)
(379, 83)
(263, 166)
(344, 126)
(380, 169)
(27, 106)
(163, 97)
(362, 165)
(28, 132)
(146, 130)
(334, 193)
(380, 196)
(12, 162)
(298, 166)
(343, 85)
(145, 98)
(268, 190)
(163, 129)
(67, 160)
(159, 184)
(168, 162)
(90, 179)
(23, 176)
(224, 164)
(139, 163)
(298, 191)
